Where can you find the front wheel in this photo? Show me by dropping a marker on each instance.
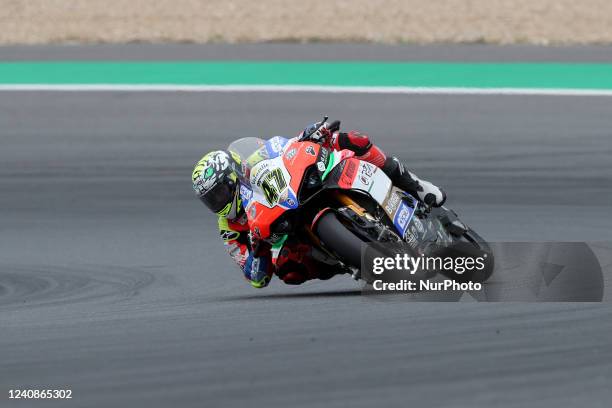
(346, 244)
(339, 240)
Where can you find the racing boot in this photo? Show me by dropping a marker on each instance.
(409, 182)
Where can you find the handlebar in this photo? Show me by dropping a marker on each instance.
(334, 126)
(307, 135)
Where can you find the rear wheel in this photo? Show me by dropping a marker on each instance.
(469, 242)
(347, 246)
(483, 275)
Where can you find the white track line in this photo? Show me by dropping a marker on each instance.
(303, 88)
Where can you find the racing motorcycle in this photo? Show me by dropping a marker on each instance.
(298, 190)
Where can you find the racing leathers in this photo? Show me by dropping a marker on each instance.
(295, 263)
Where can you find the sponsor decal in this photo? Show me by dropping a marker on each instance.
(367, 169)
(245, 193)
(323, 159)
(348, 175)
(402, 217)
(291, 154)
(258, 172)
(276, 144)
(350, 169)
(365, 173)
(311, 151)
(228, 235)
(253, 211)
(418, 225)
(411, 240)
(392, 203)
(324, 155)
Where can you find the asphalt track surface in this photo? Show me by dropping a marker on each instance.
(308, 52)
(113, 282)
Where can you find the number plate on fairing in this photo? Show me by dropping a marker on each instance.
(270, 184)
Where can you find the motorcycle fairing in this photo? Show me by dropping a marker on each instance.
(274, 182)
(275, 145)
(403, 215)
(354, 174)
(336, 158)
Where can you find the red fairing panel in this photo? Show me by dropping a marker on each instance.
(349, 173)
(297, 157)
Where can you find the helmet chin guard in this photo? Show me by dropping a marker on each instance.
(230, 211)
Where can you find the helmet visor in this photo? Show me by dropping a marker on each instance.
(219, 196)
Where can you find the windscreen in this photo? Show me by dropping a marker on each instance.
(250, 150)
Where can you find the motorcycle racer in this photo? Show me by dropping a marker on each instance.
(216, 183)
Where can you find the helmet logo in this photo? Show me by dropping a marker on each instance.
(219, 161)
(208, 171)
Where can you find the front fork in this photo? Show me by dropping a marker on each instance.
(342, 199)
(348, 209)
(319, 252)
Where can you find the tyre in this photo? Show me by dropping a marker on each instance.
(338, 239)
(476, 240)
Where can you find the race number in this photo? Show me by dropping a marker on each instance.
(273, 185)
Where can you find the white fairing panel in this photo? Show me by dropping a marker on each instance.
(371, 179)
(272, 175)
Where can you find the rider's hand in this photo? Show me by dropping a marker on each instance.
(322, 135)
(334, 126)
(325, 132)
